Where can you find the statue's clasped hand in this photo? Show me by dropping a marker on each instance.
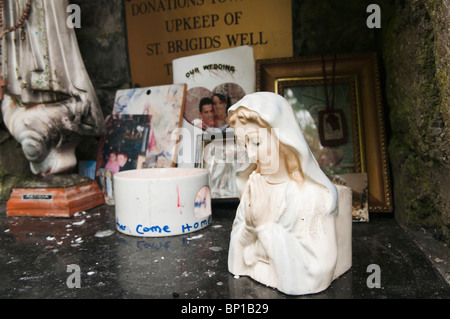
(257, 213)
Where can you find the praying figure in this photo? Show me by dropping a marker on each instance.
(292, 229)
(49, 102)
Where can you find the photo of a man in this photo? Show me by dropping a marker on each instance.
(206, 114)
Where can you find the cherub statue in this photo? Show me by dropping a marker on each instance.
(292, 229)
(49, 102)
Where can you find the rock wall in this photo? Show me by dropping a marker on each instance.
(414, 49)
(103, 44)
(416, 54)
(14, 167)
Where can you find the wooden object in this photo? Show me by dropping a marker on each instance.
(54, 196)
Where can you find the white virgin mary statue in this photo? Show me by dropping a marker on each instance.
(49, 100)
(292, 229)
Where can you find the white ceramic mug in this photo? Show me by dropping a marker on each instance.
(158, 202)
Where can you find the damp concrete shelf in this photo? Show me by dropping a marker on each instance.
(36, 255)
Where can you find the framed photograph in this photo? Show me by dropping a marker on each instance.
(222, 156)
(332, 127)
(126, 142)
(336, 144)
(357, 182)
(106, 185)
(165, 105)
(215, 81)
(123, 148)
(354, 132)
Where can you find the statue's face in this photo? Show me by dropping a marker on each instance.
(261, 145)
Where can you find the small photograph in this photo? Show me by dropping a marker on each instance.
(207, 109)
(332, 134)
(106, 185)
(127, 140)
(219, 80)
(223, 158)
(165, 105)
(360, 192)
(332, 128)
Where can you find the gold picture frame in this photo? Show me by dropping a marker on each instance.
(275, 75)
(307, 96)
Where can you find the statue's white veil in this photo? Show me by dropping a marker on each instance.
(276, 111)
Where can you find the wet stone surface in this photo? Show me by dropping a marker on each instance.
(35, 254)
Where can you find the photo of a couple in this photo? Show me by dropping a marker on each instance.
(208, 110)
